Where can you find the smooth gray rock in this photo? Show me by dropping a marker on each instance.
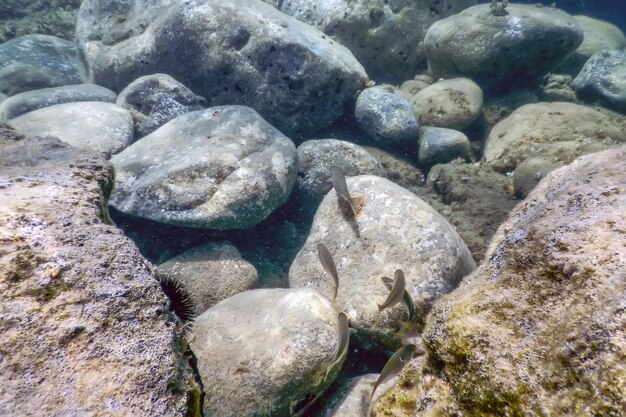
(315, 159)
(156, 99)
(3, 97)
(228, 51)
(394, 229)
(385, 115)
(209, 274)
(454, 104)
(32, 62)
(352, 397)
(385, 36)
(497, 52)
(101, 127)
(604, 77)
(37, 99)
(439, 145)
(220, 168)
(261, 352)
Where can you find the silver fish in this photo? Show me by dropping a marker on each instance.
(396, 293)
(340, 185)
(406, 298)
(394, 365)
(343, 339)
(328, 264)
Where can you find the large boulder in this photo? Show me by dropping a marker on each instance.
(23, 17)
(261, 352)
(98, 126)
(604, 77)
(231, 52)
(219, 168)
(394, 229)
(385, 36)
(556, 132)
(32, 62)
(498, 51)
(538, 329)
(86, 329)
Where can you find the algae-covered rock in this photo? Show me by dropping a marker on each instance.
(538, 329)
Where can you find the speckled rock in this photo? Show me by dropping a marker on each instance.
(262, 352)
(23, 17)
(316, 157)
(529, 172)
(598, 35)
(154, 100)
(394, 229)
(498, 52)
(86, 329)
(209, 274)
(220, 168)
(557, 87)
(538, 329)
(98, 126)
(386, 116)
(556, 131)
(453, 104)
(411, 87)
(228, 51)
(32, 62)
(604, 77)
(37, 99)
(352, 398)
(385, 36)
(439, 145)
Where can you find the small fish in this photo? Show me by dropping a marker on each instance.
(394, 365)
(406, 298)
(343, 339)
(396, 293)
(328, 264)
(340, 185)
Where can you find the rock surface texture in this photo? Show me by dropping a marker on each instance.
(604, 77)
(86, 329)
(538, 329)
(497, 52)
(231, 52)
(23, 17)
(262, 352)
(394, 229)
(220, 168)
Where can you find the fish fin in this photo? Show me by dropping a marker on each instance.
(380, 307)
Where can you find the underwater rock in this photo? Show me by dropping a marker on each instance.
(316, 157)
(220, 168)
(439, 145)
(208, 274)
(386, 116)
(604, 77)
(498, 52)
(453, 104)
(103, 127)
(411, 87)
(386, 37)
(261, 352)
(37, 99)
(154, 100)
(32, 62)
(529, 172)
(558, 131)
(598, 35)
(86, 330)
(3, 97)
(45, 17)
(352, 398)
(393, 229)
(557, 87)
(228, 51)
(538, 328)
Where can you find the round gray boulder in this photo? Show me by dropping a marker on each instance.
(229, 51)
(37, 99)
(32, 62)
(453, 104)
(103, 127)
(497, 52)
(385, 115)
(261, 352)
(439, 145)
(394, 229)
(219, 168)
(156, 99)
(604, 77)
(208, 274)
